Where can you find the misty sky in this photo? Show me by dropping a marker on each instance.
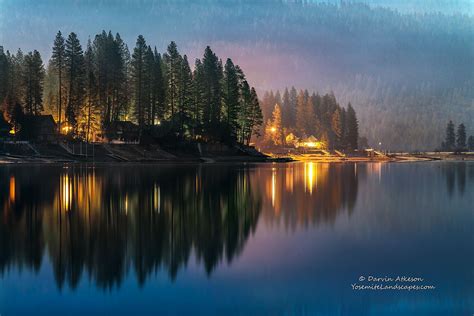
(230, 27)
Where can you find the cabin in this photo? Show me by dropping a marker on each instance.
(311, 142)
(38, 128)
(122, 131)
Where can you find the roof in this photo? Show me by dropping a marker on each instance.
(37, 120)
(122, 125)
(310, 139)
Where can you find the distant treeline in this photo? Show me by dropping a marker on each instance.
(88, 90)
(457, 140)
(304, 114)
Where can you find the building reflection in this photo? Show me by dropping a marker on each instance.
(102, 223)
(309, 193)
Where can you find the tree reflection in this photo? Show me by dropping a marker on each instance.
(105, 221)
(457, 175)
(102, 223)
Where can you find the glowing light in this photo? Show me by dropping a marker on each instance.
(156, 198)
(66, 129)
(310, 175)
(12, 131)
(159, 122)
(273, 129)
(66, 189)
(12, 189)
(273, 186)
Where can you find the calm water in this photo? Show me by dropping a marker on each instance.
(236, 239)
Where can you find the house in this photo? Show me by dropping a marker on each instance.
(38, 128)
(312, 142)
(124, 131)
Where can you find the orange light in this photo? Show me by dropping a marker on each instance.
(12, 189)
(66, 128)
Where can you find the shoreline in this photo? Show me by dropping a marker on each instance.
(109, 153)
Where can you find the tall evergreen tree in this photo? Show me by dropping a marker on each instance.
(33, 76)
(58, 61)
(90, 115)
(173, 69)
(230, 96)
(276, 128)
(450, 141)
(4, 74)
(255, 117)
(336, 127)
(470, 143)
(287, 116)
(352, 126)
(186, 96)
(148, 73)
(74, 71)
(198, 98)
(158, 89)
(211, 78)
(138, 75)
(461, 137)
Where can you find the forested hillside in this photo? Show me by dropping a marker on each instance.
(405, 72)
(88, 91)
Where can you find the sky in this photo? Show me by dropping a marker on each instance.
(225, 25)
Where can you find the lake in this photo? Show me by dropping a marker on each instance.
(244, 239)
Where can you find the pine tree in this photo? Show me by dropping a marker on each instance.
(138, 74)
(120, 90)
(198, 98)
(4, 74)
(74, 72)
(255, 116)
(450, 141)
(148, 97)
(230, 96)
(470, 143)
(33, 77)
(301, 107)
(89, 123)
(211, 76)
(461, 137)
(158, 89)
(293, 104)
(58, 61)
(288, 111)
(245, 105)
(173, 69)
(352, 126)
(186, 96)
(336, 127)
(276, 128)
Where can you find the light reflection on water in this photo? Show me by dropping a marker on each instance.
(314, 227)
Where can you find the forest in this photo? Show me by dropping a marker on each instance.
(87, 90)
(457, 140)
(298, 115)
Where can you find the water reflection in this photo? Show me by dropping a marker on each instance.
(456, 176)
(309, 193)
(103, 221)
